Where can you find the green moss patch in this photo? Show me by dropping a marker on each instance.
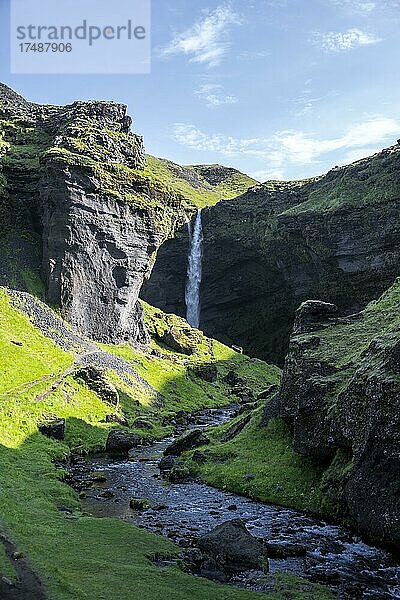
(279, 475)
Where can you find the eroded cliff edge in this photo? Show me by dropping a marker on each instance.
(78, 212)
(336, 238)
(340, 396)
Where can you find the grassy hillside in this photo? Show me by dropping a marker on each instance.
(190, 183)
(75, 556)
(280, 476)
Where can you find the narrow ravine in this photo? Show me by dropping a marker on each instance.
(308, 547)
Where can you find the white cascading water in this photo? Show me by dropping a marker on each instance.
(194, 272)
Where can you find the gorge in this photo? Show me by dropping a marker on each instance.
(98, 270)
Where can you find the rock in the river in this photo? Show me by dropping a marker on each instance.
(188, 441)
(53, 429)
(284, 549)
(167, 463)
(232, 548)
(139, 504)
(120, 441)
(178, 473)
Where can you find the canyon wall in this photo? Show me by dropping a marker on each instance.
(73, 196)
(335, 238)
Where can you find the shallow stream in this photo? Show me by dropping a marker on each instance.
(332, 555)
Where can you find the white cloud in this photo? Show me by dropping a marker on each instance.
(345, 40)
(306, 103)
(268, 174)
(213, 95)
(363, 7)
(286, 148)
(250, 55)
(207, 41)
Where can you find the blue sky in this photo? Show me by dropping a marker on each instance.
(281, 89)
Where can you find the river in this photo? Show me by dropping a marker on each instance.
(332, 555)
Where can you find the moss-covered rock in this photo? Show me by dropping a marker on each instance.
(340, 396)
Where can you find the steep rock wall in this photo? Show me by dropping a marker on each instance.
(97, 222)
(335, 237)
(340, 394)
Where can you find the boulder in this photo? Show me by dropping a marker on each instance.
(176, 340)
(117, 419)
(139, 504)
(53, 429)
(188, 441)
(120, 441)
(142, 424)
(167, 463)
(284, 549)
(178, 474)
(233, 379)
(207, 372)
(244, 394)
(232, 548)
(313, 314)
(236, 428)
(95, 379)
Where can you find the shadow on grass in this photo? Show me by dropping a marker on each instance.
(75, 557)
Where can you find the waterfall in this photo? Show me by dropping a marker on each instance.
(194, 271)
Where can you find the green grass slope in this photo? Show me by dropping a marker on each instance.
(75, 556)
(193, 186)
(280, 476)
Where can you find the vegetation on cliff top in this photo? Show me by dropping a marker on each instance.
(192, 186)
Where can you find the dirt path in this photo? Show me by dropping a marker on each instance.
(28, 586)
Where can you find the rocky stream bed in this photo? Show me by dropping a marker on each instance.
(185, 511)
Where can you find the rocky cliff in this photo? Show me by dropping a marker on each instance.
(79, 213)
(340, 396)
(335, 237)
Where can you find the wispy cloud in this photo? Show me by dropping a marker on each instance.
(208, 40)
(344, 40)
(286, 148)
(250, 55)
(363, 7)
(306, 102)
(213, 94)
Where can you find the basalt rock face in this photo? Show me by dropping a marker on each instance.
(72, 185)
(340, 394)
(336, 238)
